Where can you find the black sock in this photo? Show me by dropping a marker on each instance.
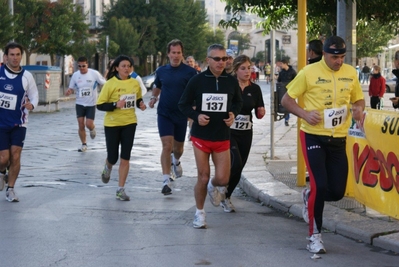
(8, 187)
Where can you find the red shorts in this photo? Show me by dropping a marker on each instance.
(210, 146)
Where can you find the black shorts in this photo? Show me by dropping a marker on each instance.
(85, 111)
(119, 135)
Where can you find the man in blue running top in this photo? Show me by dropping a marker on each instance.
(171, 79)
(18, 96)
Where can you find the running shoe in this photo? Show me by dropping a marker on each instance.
(227, 205)
(11, 196)
(93, 133)
(305, 198)
(105, 176)
(83, 148)
(121, 195)
(315, 244)
(199, 221)
(177, 170)
(166, 190)
(214, 194)
(2, 180)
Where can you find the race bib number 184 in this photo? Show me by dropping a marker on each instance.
(130, 100)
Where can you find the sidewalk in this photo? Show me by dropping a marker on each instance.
(273, 182)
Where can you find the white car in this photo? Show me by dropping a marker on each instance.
(149, 80)
(390, 85)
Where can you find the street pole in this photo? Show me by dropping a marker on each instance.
(272, 83)
(11, 7)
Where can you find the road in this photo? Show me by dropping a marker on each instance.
(67, 217)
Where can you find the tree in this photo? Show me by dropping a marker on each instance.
(282, 14)
(49, 28)
(321, 15)
(244, 41)
(6, 24)
(372, 38)
(159, 23)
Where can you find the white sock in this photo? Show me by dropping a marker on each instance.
(199, 211)
(175, 160)
(166, 178)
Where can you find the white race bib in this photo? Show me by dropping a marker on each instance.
(85, 92)
(8, 101)
(242, 122)
(130, 100)
(214, 102)
(334, 117)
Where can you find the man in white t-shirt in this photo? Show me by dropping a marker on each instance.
(84, 83)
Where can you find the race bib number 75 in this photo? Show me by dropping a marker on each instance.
(8, 101)
(214, 102)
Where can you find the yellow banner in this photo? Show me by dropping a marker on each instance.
(373, 156)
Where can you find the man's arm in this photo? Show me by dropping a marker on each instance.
(312, 117)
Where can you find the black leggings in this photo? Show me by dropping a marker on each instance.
(123, 135)
(327, 164)
(240, 145)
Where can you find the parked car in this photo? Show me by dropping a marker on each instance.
(390, 85)
(149, 80)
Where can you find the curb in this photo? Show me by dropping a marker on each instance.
(260, 184)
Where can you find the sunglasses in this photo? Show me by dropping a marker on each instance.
(81, 66)
(220, 58)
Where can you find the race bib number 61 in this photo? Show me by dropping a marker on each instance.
(334, 117)
(214, 102)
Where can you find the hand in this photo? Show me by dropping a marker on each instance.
(120, 103)
(357, 113)
(312, 117)
(68, 92)
(28, 105)
(260, 112)
(203, 120)
(395, 100)
(142, 106)
(152, 102)
(230, 120)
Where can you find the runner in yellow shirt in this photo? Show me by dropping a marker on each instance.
(330, 89)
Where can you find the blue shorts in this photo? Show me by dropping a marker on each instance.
(12, 137)
(89, 112)
(169, 127)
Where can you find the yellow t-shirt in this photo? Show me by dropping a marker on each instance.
(331, 93)
(112, 91)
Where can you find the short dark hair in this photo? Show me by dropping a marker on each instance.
(285, 60)
(215, 47)
(175, 42)
(82, 59)
(337, 41)
(12, 45)
(316, 46)
(397, 55)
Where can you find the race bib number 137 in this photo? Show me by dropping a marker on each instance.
(214, 102)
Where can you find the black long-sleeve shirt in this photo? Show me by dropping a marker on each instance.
(214, 97)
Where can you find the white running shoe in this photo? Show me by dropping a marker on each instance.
(199, 221)
(93, 133)
(305, 197)
(214, 194)
(11, 196)
(315, 244)
(2, 181)
(83, 148)
(227, 205)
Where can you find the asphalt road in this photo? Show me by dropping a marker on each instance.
(67, 217)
